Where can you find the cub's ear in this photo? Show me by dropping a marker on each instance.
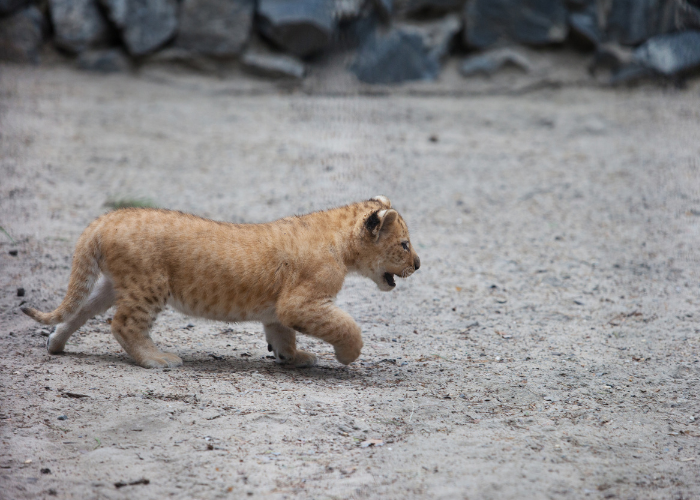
(380, 219)
(383, 200)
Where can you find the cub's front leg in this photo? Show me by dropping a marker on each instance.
(324, 320)
(283, 342)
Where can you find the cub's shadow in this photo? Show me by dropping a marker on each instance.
(204, 363)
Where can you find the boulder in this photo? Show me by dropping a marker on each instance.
(493, 60)
(407, 52)
(215, 27)
(274, 65)
(103, 61)
(9, 6)
(21, 35)
(145, 24)
(78, 24)
(301, 27)
(394, 57)
(532, 22)
(671, 54)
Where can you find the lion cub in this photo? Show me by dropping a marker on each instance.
(285, 274)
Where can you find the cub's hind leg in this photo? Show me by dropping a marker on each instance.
(101, 298)
(282, 341)
(131, 326)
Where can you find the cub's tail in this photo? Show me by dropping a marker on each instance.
(83, 276)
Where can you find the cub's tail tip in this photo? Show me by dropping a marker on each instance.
(34, 314)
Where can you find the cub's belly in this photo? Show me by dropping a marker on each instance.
(224, 312)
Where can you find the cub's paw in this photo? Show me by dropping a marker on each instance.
(53, 345)
(303, 359)
(56, 342)
(161, 360)
(347, 355)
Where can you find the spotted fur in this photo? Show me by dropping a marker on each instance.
(285, 274)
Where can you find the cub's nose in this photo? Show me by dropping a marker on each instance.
(416, 263)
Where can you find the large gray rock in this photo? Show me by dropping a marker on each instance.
(407, 52)
(394, 57)
(21, 35)
(145, 24)
(532, 22)
(215, 27)
(301, 27)
(78, 24)
(671, 54)
(9, 6)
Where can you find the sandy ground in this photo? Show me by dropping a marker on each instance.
(547, 348)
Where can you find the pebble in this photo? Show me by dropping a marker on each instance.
(63, 417)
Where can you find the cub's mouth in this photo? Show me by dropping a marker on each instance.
(389, 278)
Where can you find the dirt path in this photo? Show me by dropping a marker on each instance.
(547, 348)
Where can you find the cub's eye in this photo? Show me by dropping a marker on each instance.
(404, 244)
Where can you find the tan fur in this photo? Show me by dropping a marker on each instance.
(285, 274)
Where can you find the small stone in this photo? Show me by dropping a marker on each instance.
(20, 292)
(671, 54)
(490, 62)
(63, 417)
(46, 470)
(103, 61)
(274, 65)
(13, 253)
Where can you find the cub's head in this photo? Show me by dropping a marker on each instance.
(386, 250)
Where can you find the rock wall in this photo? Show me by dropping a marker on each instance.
(389, 41)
